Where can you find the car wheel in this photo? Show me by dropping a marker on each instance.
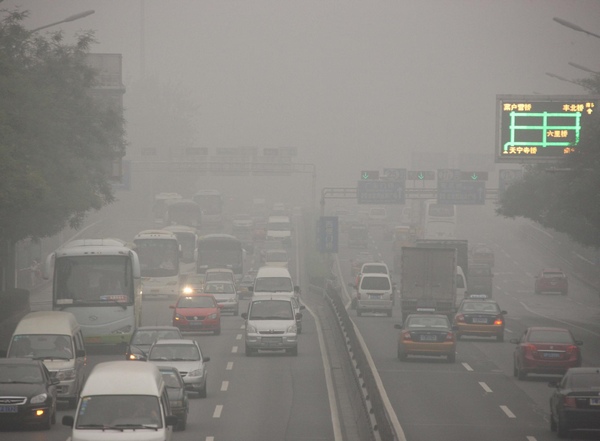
(500, 337)
(217, 331)
(402, 355)
(202, 392)
(299, 329)
(561, 429)
(452, 358)
(552, 423)
(53, 418)
(521, 375)
(182, 423)
(292, 351)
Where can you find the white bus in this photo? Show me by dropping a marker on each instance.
(439, 220)
(211, 204)
(161, 202)
(98, 281)
(159, 252)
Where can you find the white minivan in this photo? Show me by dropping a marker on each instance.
(122, 400)
(274, 280)
(55, 338)
(279, 228)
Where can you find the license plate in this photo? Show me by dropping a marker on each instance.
(429, 338)
(271, 341)
(594, 401)
(482, 320)
(375, 296)
(196, 323)
(8, 409)
(551, 355)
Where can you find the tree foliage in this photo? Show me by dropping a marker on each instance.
(55, 139)
(564, 196)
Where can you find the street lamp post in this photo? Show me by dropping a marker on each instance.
(574, 27)
(69, 18)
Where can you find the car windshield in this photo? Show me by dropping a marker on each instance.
(147, 337)
(172, 379)
(427, 322)
(118, 412)
(20, 373)
(380, 269)
(553, 274)
(550, 336)
(587, 380)
(42, 346)
(376, 283)
(273, 284)
(480, 307)
(174, 353)
(219, 288)
(196, 302)
(271, 310)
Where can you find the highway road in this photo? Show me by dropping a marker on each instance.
(477, 397)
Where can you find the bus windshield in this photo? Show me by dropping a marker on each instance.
(100, 280)
(220, 252)
(158, 257)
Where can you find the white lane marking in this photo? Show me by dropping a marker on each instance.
(485, 387)
(210, 438)
(508, 330)
(238, 337)
(218, 410)
(467, 367)
(531, 438)
(234, 349)
(224, 386)
(507, 411)
(229, 366)
(243, 326)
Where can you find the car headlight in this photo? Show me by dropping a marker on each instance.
(187, 290)
(213, 316)
(195, 373)
(292, 329)
(38, 399)
(124, 330)
(251, 329)
(65, 374)
(178, 317)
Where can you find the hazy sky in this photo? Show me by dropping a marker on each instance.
(352, 84)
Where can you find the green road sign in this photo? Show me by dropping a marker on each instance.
(423, 175)
(369, 175)
(473, 176)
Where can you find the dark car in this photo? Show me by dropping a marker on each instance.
(575, 403)
(178, 397)
(27, 393)
(551, 280)
(482, 318)
(144, 336)
(245, 286)
(545, 351)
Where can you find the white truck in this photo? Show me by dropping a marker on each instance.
(428, 280)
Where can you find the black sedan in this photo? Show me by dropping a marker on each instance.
(575, 403)
(27, 393)
(178, 397)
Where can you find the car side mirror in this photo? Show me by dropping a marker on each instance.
(244, 315)
(503, 312)
(579, 342)
(205, 359)
(79, 353)
(302, 307)
(298, 316)
(514, 340)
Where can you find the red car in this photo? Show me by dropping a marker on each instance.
(197, 313)
(551, 280)
(545, 351)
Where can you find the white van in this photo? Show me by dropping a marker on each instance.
(272, 324)
(125, 401)
(55, 338)
(279, 228)
(274, 280)
(374, 293)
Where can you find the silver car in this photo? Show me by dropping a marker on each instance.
(186, 356)
(225, 293)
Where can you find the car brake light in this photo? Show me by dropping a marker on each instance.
(406, 335)
(460, 318)
(450, 336)
(572, 349)
(569, 402)
(529, 349)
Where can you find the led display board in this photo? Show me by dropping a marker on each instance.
(537, 128)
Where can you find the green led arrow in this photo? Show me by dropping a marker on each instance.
(474, 176)
(421, 176)
(365, 176)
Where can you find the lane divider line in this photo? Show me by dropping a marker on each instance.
(218, 410)
(234, 350)
(507, 411)
(229, 366)
(485, 387)
(467, 367)
(224, 386)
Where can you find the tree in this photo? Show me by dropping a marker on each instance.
(56, 142)
(563, 196)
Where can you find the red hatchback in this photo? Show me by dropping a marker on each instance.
(551, 280)
(197, 313)
(545, 351)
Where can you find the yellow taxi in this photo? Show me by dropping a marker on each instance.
(480, 317)
(426, 334)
